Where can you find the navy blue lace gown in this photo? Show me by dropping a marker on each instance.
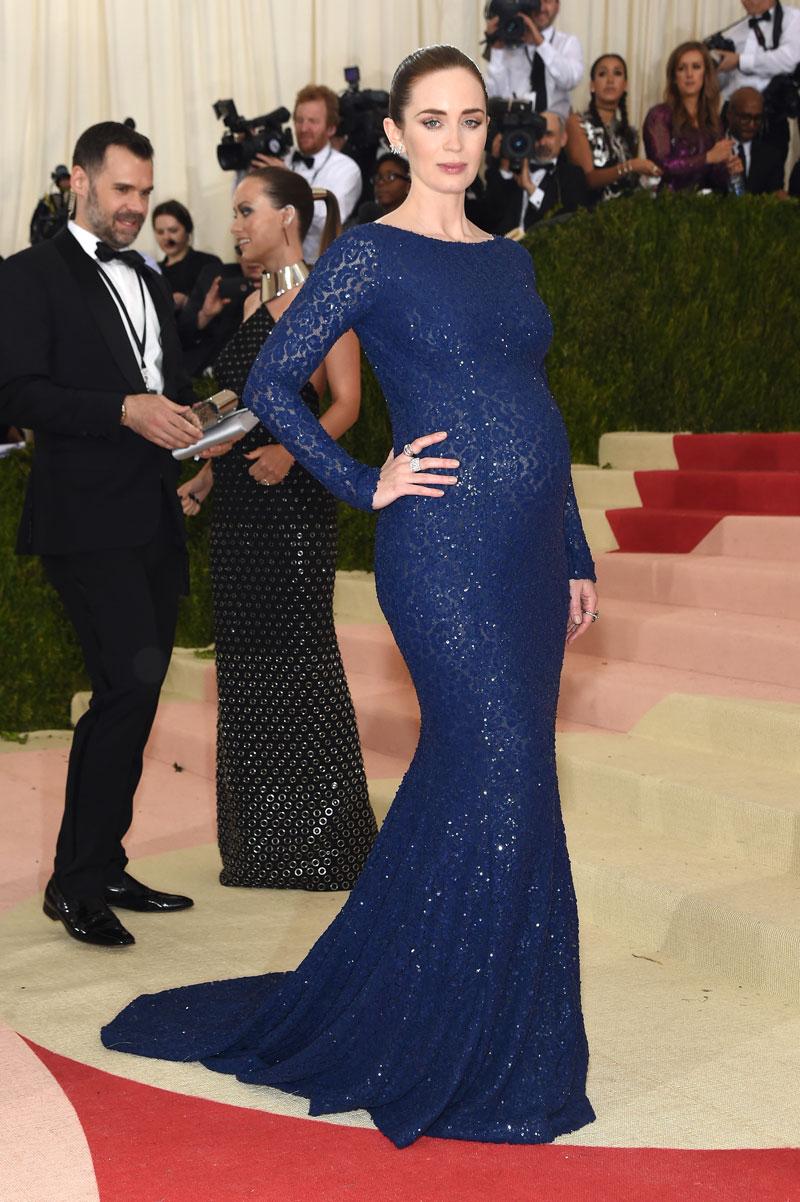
(445, 997)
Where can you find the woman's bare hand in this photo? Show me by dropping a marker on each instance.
(270, 464)
(583, 611)
(398, 478)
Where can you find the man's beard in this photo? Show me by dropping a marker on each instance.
(102, 223)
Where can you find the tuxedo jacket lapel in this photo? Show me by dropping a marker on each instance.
(102, 308)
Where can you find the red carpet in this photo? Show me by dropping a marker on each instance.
(718, 474)
(150, 1144)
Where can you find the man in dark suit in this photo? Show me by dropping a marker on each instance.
(548, 186)
(90, 361)
(762, 161)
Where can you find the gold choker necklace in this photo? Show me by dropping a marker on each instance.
(275, 283)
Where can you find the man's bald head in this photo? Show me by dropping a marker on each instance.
(745, 113)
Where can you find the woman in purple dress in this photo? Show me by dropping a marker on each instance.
(684, 135)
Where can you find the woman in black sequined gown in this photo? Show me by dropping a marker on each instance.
(292, 803)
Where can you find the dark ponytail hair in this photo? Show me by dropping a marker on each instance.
(284, 187)
(423, 62)
(626, 130)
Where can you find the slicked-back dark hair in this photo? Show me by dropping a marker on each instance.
(174, 208)
(90, 149)
(288, 188)
(424, 62)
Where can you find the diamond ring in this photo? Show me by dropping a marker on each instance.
(415, 463)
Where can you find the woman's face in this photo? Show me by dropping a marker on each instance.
(171, 235)
(610, 81)
(444, 130)
(258, 227)
(391, 184)
(690, 73)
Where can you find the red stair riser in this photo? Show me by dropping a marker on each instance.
(737, 452)
(775, 493)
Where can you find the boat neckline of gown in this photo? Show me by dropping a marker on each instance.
(444, 241)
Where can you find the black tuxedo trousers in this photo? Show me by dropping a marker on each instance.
(123, 604)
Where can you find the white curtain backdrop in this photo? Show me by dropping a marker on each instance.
(65, 64)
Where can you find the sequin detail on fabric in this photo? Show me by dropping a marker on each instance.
(293, 810)
(445, 997)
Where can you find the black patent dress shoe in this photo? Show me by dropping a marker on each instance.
(88, 920)
(130, 894)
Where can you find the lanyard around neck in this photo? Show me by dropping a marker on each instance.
(140, 341)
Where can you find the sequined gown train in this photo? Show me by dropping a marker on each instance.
(445, 997)
(292, 803)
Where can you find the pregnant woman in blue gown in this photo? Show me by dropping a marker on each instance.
(445, 997)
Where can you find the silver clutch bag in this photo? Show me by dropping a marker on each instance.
(222, 419)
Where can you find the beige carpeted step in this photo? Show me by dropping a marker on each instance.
(710, 800)
(732, 920)
(764, 733)
(598, 489)
(638, 450)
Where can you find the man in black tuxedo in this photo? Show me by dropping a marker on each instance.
(90, 361)
(762, 161)
(550, 185)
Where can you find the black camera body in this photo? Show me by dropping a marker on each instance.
(521, 129)
(361, 117)
(511, 29)
(248, 136)
(718, 44)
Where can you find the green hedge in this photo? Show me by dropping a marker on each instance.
(678, 314)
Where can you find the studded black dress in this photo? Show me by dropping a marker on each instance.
(292, 804)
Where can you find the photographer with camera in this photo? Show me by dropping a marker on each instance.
(52, 212)
(316, 119)
(529, 58)
(521, 192)
(762, 51)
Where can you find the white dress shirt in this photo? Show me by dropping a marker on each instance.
(508, 73)
(132, 290)
(339, 174)
(757, 66)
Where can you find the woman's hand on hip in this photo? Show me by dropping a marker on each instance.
(583, 611)
(270, 464)
(412, 474)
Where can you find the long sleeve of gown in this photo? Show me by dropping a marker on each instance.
(579, 557)
(338, 293)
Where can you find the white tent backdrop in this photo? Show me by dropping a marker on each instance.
(68, 63)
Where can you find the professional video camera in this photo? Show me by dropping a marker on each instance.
(249, 136)
(520, 126)
(511, 28)
(361, 117)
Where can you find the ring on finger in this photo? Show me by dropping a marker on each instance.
(408, 450)
(415, 463)
(265, 481)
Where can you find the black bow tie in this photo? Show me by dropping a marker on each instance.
(132, 258)
(765, 17)
(308, 159)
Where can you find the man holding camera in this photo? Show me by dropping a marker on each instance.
(766, 46)
(549, 184)
(529, 58)
(90, 361)
(316, 119)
